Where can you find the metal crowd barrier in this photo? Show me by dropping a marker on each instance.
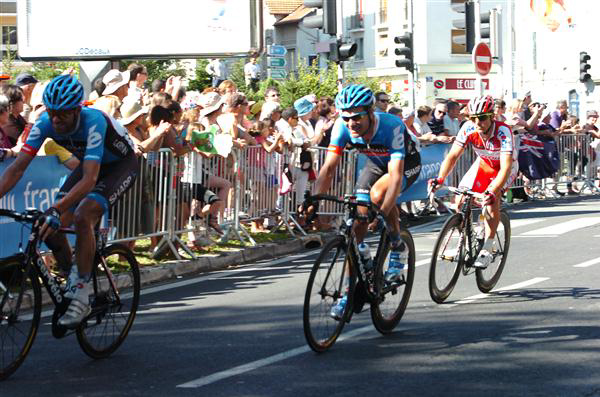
(161, 202)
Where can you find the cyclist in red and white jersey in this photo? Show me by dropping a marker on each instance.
(494, 170)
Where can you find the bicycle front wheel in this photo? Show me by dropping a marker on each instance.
(20, 309)
(391, 299)
(488, 277)
(446, 259)
(329, 280)
(116, 283)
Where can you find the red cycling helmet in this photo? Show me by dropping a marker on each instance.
(481, 105)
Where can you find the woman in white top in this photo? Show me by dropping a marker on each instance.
(420, 122)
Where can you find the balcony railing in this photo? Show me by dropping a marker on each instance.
(356, 22)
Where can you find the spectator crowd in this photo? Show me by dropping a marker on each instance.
(162, 114)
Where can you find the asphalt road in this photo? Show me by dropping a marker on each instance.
(239, 332)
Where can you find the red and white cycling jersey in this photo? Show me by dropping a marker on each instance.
(501, 141)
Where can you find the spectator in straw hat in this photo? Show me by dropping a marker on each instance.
(116, 87)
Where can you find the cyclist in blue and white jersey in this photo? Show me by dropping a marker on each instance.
(393, 164)
(108, 167)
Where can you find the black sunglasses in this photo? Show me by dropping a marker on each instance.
(355, 116)
(480, 117)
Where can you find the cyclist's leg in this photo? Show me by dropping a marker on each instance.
(370, 174)
(113, 181)
(378, 192)
(59, 245)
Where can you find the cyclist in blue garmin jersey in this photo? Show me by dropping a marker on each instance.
(108, 167)
(393, 164)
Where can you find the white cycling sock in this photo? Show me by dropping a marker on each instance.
(488, 244)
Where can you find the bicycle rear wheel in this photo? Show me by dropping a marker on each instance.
(446, 259)
(20, 309)
(488, 277)
(392, 298)
(329, 280)
(113, 305)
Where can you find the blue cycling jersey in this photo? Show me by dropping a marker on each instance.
(391, 140)
(96, 137)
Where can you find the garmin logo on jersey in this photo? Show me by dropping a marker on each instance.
(94, 138)
(113, 197)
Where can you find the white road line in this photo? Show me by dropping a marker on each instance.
(536, 236)
(588, 263)
(217, 376)
(514, 223)
(423, 262)
(564, 227)
(507, 288)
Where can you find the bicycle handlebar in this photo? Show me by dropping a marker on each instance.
(29, 216)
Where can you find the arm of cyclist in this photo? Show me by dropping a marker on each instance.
(85, 185)
(447, 165)
(14, 172)
(395, 170)
(327, 172)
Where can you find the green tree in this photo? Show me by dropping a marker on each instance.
(202, 79)
(158, 68)
(44, 71)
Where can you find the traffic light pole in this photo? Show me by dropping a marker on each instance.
(414, 71)
(477, 12)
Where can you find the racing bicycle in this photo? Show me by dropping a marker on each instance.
(337, 271)
(458, 245)
(114, 300)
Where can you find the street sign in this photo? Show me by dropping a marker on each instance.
(276, 62)
(277, 73)
(276, 50)
(482, 58)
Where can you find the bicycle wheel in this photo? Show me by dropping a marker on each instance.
(392, 298)
(446, 259)
(20, 309)
(488, 277)
(328, 282)
(113, 305)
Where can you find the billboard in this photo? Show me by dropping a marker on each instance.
(117, 29)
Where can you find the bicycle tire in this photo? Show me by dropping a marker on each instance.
(107, 326)
(386, 323)
(324, 286)
(439, 291)
(15, 280)
(488, 278)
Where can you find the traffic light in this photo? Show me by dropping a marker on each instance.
(584, 66)
(489, 24)
(340, 51)
(326, 20)
(406, 50)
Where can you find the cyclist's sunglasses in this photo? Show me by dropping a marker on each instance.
(63, 115)
(481, 117)
(355, 116)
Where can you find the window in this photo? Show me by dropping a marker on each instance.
(458, 36)
(359, 56)
(9, 35)
(8, 7)
(383, 11)
(313, 60)
(383, 45)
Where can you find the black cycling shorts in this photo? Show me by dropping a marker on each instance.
(114, 179)
(371, 173)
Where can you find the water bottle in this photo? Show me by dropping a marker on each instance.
(365, 256)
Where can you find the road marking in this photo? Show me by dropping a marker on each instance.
(217, 376)
(422, 262)
(588, 263)
(514, 223)
(537, 236)
(507, 288)
(564, 227)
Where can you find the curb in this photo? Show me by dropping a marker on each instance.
(155, 274)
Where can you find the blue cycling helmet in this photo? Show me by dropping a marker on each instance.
(63, 93)
(353, 96)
